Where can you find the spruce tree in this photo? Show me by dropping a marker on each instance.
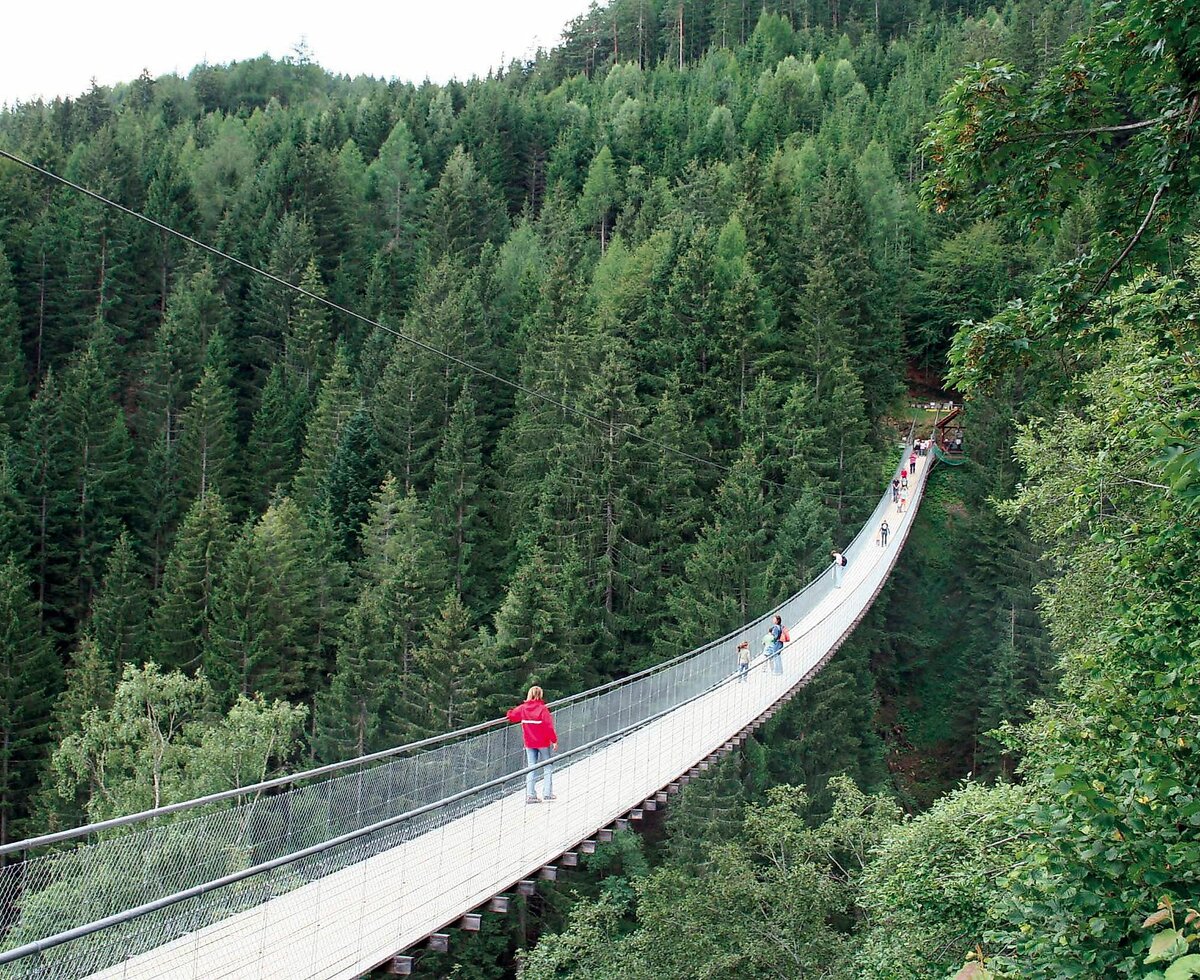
(30, 680)
(337, 402)
(396, 184)
(530, 645)
(272, 307)
(118, 624)
(97, 477)
(352, 479)
(15, 518)
(262, 639)
(12, 358)
(307, 338)
(708, 813)
(207, 441)
(273, 450)
(359, 711)
(723, 582)
(182, 621)
(42, 469)
(600, 195)
(404, 408)
(403, 563)
(459, 497)
(90, 682)
(673, 511)
(464, 212)
(446, 668)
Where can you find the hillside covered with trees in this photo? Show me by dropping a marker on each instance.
(615, 344)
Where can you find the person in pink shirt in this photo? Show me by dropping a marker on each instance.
(537, 730)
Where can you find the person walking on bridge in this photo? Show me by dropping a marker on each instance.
(537, 729)
(883, 534)
(839, 568)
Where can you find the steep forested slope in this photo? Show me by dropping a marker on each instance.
(233, 516)
(210, 472)
(1088, 865)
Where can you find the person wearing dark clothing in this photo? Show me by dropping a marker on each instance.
(778, 638)
(883, 534)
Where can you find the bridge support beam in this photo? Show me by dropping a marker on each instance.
(470, 922)
(399, 966)
(498, 903)
(569, 859)
(439, 942)
(526, 887)
(587, 847)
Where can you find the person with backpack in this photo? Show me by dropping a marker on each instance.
(778, 638)
(839, 568)
(541, 740)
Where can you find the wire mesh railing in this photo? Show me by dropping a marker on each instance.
(404, 794)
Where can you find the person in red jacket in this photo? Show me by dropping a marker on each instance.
(537, 728)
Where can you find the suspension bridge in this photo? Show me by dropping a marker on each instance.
(336, 871)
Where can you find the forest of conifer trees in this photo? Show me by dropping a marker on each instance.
(687, 266)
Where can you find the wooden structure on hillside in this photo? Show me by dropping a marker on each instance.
(948, 433)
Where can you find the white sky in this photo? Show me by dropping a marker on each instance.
(56, 48)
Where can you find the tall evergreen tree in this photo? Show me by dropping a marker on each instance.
(307, 339)
(723, 583)
(446, 669)
(262, 639)
(273, 449)
(352, 479)
(337, 402)
(41, 466)
(207, 441)
(12, 358)
(459, 496)
(464, 212)
(530, 644)
(97, 476)
(30, 680)
(119, 612)
(182, 620)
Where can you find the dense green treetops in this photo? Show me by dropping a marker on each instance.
(240, 531)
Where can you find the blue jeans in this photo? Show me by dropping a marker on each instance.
(532, 758)
(776, 659)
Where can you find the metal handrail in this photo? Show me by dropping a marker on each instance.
(113, 823)
(119, 918)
